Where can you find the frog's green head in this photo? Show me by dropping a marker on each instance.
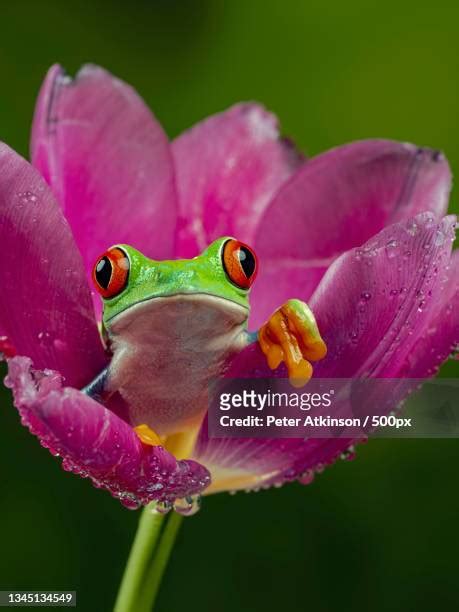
(225, 270)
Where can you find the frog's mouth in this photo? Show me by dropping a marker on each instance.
(182, 314)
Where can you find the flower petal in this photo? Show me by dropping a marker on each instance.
(441, 336)
(94, 442)
(335, 202)
(46, 308)
(228, 167)
(108, 162)
(373, 306)
(375, 302)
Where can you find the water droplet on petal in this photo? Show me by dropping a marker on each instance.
(391, 248)
(354, 335)
(306, 477)
(163, 507)
(130, 503)
(129, 500)
(439, 238)
(26, 197)
(187, 506)
(349, 454)
(45, 339)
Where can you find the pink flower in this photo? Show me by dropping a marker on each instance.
(357, 232)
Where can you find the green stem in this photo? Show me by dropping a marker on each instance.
(139, 558)
(155, 571)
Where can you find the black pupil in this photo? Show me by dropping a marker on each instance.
(247, 261)
(104, 272)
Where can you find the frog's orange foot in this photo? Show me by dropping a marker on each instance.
(148, 436)
(291, 335)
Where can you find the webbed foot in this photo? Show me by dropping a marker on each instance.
(291, 335)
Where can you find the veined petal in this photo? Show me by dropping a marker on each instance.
(374, 307)
(228, 168)
(108, 162)
(336, 202)
(94, 442)
(376, 301)
(440, 338)
(46, 308)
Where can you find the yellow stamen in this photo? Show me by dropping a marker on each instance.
(181, 444)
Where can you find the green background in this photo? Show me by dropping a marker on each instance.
(379, 533)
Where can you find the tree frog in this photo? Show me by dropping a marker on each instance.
(173, 326)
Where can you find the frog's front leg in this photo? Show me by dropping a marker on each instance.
(96, 388)
(291, 335)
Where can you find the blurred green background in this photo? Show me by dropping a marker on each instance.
(379, 533)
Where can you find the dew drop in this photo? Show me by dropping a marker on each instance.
(25, 197)
(163, 507)
(129, 501)
(349, 454)
(45, 339)
(439, 238)
(354, 335)
(306, 477)
(187, 506)
(391, 248)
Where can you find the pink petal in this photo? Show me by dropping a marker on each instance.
(228, 167)
(94, 442)
(108, 162)
(335, 202)
(375, 302)
(373, 307)
(46, 308)
(440, 339)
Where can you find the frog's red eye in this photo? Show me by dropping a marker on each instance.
(240, 263)
(110, 272)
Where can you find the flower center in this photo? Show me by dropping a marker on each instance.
(180, 444)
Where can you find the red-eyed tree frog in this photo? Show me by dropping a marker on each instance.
(173, 326)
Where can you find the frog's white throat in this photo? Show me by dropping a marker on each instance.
(165, 352)
(186, 314)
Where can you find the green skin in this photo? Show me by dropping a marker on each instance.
(174, 327)
(149, 279)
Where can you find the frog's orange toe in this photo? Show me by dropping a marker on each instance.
(300, 373)
(291, 335)
(148, 436)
